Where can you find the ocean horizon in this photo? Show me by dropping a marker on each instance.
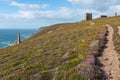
(8, 36)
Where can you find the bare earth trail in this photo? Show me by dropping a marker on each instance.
(119, 30)
(109, 58)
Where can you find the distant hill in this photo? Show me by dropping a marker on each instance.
(55, 52)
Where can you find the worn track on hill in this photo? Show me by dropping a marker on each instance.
(119, 30)
(109, 58)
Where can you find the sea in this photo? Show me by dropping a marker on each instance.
(8, 36)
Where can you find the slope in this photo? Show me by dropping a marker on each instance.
(52, 53)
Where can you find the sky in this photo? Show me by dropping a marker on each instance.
(29, 14)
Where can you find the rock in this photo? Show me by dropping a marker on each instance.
(92, 23)
(103, 42)
(101, 37)
(64, 58)
(94, 44)
(65, 55)
(73, 51)
(95, 53)
(6, 55)
(111, 77)
(49, 31)
(36, 77)
(101, 45)
(3, 78)
(110, 64)
(109, 74)
(105, 58)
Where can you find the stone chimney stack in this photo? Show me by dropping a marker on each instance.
(115, 13)
(19, 39)
(88, 16)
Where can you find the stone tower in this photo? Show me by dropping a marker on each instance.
(88, 16)
(19, 39)
(115, 13)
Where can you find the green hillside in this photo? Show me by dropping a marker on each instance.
(54, 53)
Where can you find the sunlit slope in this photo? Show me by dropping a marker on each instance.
(52, 53)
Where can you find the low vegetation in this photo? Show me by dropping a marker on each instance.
(53, 53)
(116, 38)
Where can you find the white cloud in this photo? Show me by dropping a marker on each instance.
(63, 13)
(28, 6)
(77, 2)
(43, 18)
(114, 8)
(34, 12)
(100, 5)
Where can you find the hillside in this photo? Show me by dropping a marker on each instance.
(56, 52)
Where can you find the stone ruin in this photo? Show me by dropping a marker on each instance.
(115, 13)
(18, 41)
(103, 16)
(88, 16)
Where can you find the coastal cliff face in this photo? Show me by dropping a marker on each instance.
(57, 52)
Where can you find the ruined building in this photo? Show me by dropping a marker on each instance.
(88, 16)
(18, 40)
(103, 16)
(115, 14)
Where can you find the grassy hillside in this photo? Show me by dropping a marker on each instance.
(53, 53)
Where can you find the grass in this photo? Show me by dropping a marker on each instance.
(37, 57)
(116, 38)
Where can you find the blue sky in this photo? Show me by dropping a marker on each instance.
(29, 14)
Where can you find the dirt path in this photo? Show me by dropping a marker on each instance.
(119, 30)
(109, 59)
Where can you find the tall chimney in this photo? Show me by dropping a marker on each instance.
(19, 39)
(115, 13)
